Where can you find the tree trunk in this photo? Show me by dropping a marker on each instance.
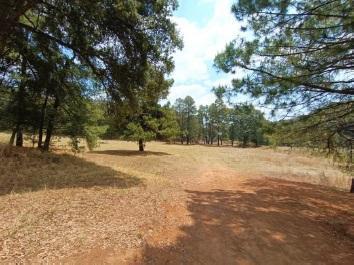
(232, 142)
(33, 137)
(48, 135)
(50, 126)
(218, 140)
(210, 135)
(244, 142)
(19, 137)
(329, 145)
(141, 145)
(41, 122)
(352, 188)
(13, 135)
(20, 105)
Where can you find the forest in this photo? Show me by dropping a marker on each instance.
(277, 139)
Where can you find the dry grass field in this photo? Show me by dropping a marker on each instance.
(173, 204)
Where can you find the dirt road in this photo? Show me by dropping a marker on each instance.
(175, 205)
(231, 216)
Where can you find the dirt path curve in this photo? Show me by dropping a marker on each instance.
(226, 217)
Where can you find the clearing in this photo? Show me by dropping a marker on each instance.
(173, 204)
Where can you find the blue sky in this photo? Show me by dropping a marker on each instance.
(206, 27)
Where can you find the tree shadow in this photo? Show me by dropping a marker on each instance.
(26, 170)
(228, 145)
(265, 222)
(199, 144)
(129, 153)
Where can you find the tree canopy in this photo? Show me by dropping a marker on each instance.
(55, 54)
(299, 56)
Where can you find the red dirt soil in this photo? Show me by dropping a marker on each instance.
(231, 220)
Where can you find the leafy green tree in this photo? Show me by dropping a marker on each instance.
(179, 107)
(191, 121)
(213, 116)
(219, 114)
(84, 120)
(114, 43)
(169, 129)
(148, 120)
(301, 55)
(247, 125)
(142, 130)
(186, 112)
(322, 130)
(154, 123)
(204, 123)
(10, 14)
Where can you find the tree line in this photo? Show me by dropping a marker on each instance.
(216, 123)
(183, 122)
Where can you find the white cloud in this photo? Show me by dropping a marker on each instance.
(193, 74)
(201, 95)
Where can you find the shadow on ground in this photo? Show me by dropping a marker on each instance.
(129, 153)
(265, 222)
(25, 170)
(225, 145)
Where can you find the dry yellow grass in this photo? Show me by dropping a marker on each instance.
(177, 160)
(56, 205)
(4, 137)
